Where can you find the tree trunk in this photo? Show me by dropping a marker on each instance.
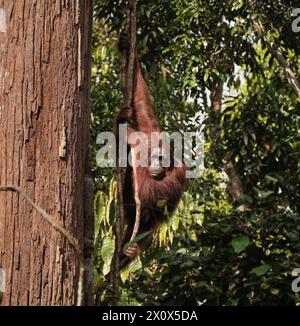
(235, 186)
(45, 54)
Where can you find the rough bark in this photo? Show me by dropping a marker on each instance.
(44, 139)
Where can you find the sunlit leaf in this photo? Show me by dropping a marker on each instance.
(133, 267)
(107, 252)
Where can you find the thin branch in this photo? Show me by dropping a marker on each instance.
(130, 83)
(115, 264)
(73, 241)
(132, 52)
(277, 53)
(138, 209)
(128, 79)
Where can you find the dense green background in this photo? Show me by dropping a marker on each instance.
(210, 253)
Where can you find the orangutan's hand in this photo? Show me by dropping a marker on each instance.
(133, 251)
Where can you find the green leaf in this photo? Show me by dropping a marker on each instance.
(174, 222)
(112, 189)
(99, 207)
(237, 5)
(275, 292)
(246, 138)
(161, 203)
(260, 270)
(134, 266)
(112, 212)
(263, 194)
(136, 240)
(107, 252)
(103, 53)
(240, 244)
(271, 179)
(244, 199)
(163, 234)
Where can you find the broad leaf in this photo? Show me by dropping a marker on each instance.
(260, 270)
(240, 244)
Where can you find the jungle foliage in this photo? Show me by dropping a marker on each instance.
(210, 253)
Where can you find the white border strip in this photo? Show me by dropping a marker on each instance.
(2, 280)
(2, 21)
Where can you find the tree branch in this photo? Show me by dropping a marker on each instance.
(128, 79)
(130, 83)
(277, 53)
(236, 188)
(73, 241)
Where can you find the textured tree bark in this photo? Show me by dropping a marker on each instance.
(44, 148)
